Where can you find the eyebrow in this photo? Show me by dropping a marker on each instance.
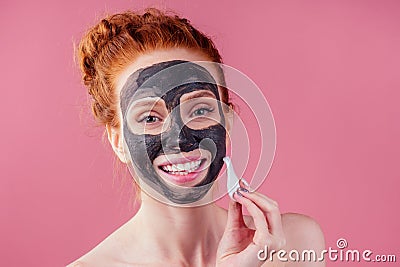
(146, 102)
(202, 93)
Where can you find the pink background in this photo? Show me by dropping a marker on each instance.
(329, 69)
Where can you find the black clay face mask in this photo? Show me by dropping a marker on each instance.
(170, 82)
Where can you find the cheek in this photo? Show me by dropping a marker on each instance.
(228, 140)
(228, 125)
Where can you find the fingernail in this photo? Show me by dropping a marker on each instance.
(243, 189)
(238, 193)
(245, 182)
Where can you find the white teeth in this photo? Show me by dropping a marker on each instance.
(182, 168)
(192, 165)
(187, 166)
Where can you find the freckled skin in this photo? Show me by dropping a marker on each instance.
(170, 81)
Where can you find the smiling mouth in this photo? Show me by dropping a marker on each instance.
(183, 168)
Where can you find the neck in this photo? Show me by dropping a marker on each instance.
(190, 233)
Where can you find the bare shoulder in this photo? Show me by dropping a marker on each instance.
(302, 232)
(77, 263)
(98, 256)
(105, 253)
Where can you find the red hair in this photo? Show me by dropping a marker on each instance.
(117, 40)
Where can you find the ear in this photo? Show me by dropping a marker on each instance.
(229, 115)
(115, 137)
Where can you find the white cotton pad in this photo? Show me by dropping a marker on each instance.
(232, 183)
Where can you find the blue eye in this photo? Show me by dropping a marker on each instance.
(202, 111)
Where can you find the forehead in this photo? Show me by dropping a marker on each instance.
(155, 57)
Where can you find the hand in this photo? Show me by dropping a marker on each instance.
(239, 245)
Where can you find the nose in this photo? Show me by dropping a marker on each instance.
(170, 140)
(187, 141)
(179, 138)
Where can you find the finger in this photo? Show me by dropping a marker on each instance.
(270, 209)
(273, 204)
(267, 198)
(260, 222)
(235, 215)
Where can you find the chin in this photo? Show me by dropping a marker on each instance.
(183, 169)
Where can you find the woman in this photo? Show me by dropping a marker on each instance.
(119, 59)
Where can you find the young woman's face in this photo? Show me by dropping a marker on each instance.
(173, 125)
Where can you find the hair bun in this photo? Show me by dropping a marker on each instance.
(92, 45)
